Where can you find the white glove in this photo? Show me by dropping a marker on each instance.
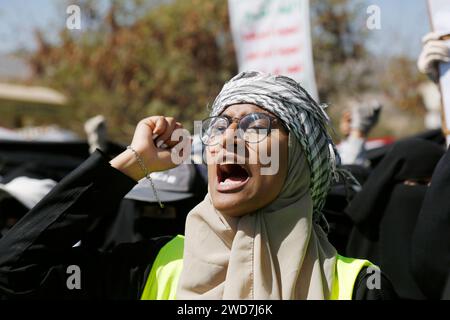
(433, 52)
(365, 116)
(96, 132)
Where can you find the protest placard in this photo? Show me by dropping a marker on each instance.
(273, 36)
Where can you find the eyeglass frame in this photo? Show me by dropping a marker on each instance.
(231, 120)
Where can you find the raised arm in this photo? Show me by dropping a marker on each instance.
(36, 253)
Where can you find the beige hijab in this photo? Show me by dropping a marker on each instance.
(274, 253)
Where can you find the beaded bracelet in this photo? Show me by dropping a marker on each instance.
(146, 173)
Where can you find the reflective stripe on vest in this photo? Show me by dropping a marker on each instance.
(347, 270)
(166, 270)
(162, 281)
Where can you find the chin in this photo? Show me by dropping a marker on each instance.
(237, 189)
(231, 188)
(233, 205)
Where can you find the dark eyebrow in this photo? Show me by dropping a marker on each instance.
(244, 114)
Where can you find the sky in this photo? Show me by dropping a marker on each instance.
(403, 23)
(18, 19)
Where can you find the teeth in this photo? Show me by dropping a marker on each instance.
(229, 182)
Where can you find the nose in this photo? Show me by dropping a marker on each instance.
(230, 136)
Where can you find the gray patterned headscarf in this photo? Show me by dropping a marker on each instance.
(303, 117)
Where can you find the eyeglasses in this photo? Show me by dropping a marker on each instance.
(252, 128)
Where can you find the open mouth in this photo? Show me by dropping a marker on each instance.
(231, 177)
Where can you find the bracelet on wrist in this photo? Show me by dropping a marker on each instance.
(146, 173)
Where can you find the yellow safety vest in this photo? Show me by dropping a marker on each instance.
(166, 270)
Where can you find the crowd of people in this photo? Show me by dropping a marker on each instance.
(335, 221)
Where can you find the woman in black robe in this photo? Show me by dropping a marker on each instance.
(385, 212)
(430, 254)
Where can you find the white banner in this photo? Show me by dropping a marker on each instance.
(440, 21)
(273, 36)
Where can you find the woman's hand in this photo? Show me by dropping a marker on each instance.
(152, 141)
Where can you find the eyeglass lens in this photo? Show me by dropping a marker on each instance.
(253, 127)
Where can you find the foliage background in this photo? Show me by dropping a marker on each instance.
(139, 58)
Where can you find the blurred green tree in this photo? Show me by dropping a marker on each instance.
(339, 40)
(134, 61)
(171, 57)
